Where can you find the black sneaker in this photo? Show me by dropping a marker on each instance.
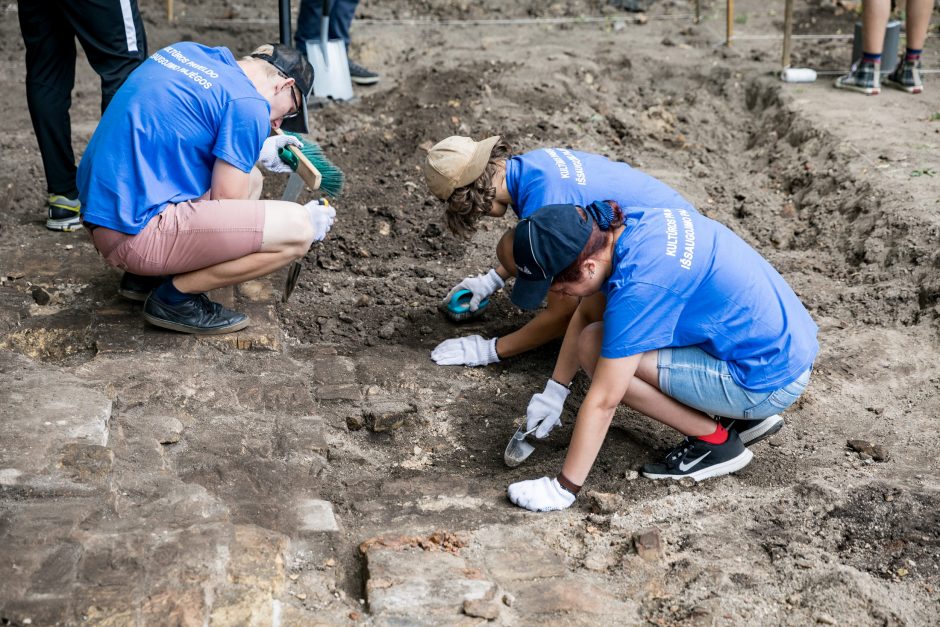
(198, 315)
(137, 287)
(64, 213)
(361, 75)
(753, 431)
(700, 460)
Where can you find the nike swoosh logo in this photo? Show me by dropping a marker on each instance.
(683, 466)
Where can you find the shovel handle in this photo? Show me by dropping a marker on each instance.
(307, 171)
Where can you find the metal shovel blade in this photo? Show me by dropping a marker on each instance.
(518, 450)
(330, 69)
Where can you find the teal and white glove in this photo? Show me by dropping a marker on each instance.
(482, 286)
(540, 495)
(472, 350)
(544, 410)
(269, 157)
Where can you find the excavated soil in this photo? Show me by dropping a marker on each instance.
(810, 531)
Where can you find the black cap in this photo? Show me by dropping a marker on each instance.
(545, 244)
(293, 64)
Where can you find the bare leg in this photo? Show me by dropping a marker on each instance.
(287, 236)
(874, 21)
(643, 394)
(918, 21)
(255, 183)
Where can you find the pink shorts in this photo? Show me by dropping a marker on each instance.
(187, 236)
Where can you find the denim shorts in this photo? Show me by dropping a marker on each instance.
(695, 378)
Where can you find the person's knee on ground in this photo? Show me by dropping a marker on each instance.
(287, 229)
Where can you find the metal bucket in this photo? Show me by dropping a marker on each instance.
(889, 51)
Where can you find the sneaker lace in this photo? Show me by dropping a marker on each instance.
(677, 454)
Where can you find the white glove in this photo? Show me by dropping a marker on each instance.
(465, 351)
(482, 286)
(321, 218)
(269, 157)
(540, 495)
(545, 409)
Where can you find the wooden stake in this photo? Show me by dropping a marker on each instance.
(787, 32)
(169, 11)
(698, 11)
(730, 22)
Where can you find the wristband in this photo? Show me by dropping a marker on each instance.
(567, 484)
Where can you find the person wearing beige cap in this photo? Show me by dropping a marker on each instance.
(477, 179)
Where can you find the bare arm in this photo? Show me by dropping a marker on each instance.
(546, 326)
(590, 310)
(611, 380)
(228, 182)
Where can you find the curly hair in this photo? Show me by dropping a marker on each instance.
(596, 240)
(471, 202)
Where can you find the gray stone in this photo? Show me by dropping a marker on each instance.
(355, 422)
(868, 450)
(37, 420)
(648, 544)
(331, 370)
(405, 580)
(604, 502)
(481, 608)
(315, 515)
(387, 415)
(345, 392)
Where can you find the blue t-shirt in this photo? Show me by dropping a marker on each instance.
(558, 176)
(681, 279)
(158, 140)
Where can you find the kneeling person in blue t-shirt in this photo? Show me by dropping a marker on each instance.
(481, 179)
(168, 183)
(680, 319)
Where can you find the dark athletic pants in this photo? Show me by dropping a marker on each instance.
(308, 21)
(112, 35)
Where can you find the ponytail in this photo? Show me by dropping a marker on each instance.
(606, 216)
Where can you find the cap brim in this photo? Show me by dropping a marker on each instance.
(298, 123)
(481, 156)
(529, 294)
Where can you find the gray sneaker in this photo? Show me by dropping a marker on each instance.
(64, 213)
(906, 77)
(865, 79)
(361, 75)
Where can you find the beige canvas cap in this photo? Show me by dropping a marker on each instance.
(455, 162)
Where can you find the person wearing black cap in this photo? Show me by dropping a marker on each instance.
(168, 183)
(680, 320)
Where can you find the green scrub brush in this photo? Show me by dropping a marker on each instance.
(332, 177)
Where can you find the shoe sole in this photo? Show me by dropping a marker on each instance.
(727, 467)
(762, 431)
(184, 328)
(868, 91)
(365, 81)
(140, 297)
(64, 225)
(903, 87)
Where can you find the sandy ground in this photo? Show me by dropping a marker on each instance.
(839, 191)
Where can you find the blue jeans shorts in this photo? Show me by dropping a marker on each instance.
(695, 378)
